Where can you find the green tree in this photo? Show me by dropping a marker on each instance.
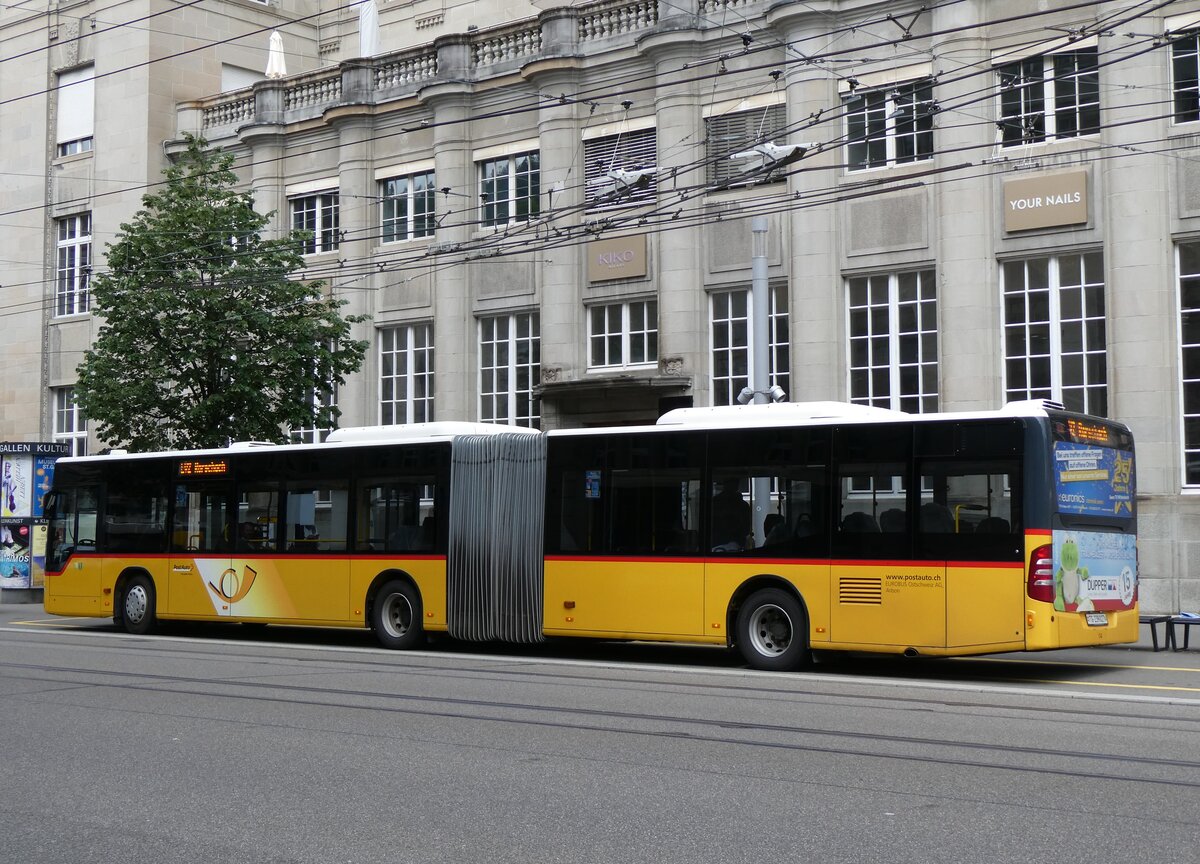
(205, 338)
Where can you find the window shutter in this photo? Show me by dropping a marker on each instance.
(76, 101)
(627, 152)
(732, 133)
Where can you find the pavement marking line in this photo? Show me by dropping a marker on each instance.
(823, 677)
(1104, 684)
(53, 622)
(1193, 669)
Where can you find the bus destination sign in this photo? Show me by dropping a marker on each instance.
(203, 467)
(1082, 430)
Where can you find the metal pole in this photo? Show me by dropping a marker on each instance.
(760, 309)
(760, 375)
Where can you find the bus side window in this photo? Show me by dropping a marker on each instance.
(397, 515)
(581, 497)
(967, 511)
(316, 516)
(199, 521)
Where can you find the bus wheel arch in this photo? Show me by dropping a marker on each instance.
(768, 622)
(395, 610)
(135, 601)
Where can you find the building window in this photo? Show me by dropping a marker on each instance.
(633, 155)
(406, 374)
(1054, 331)
(325, 396)
(889, 127)
(736, 132)
(408, 207)
(70, 426)
(510, 365)
(1185, 75)
(74, 265)
(318, 216)
(732, 343)
(510, 188)
(1189, 337)
(76, 110)
(623, 334)
(1048, 97)
(893, 341)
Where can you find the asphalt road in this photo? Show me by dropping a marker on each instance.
(226, 744)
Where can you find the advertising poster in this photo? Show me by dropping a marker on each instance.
(1093, 481)
(37, 556)
(16, 486)
(43, 478)
(1094, 571)
(15, 562)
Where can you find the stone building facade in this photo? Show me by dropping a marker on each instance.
(540, 211)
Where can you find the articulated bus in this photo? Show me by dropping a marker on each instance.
(779, 530)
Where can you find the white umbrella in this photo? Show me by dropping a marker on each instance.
(276, 67)
(368, 29)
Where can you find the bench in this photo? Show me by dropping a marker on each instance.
(1154, 621)
(1187, 622)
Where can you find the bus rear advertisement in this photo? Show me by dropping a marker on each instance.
(777, 530)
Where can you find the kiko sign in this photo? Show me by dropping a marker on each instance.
(622, 258)
(1046, 201)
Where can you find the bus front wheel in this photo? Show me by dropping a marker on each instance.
(138, 606)
(396, 615)
(772, 632)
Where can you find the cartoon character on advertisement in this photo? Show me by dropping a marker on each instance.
(1070, 579)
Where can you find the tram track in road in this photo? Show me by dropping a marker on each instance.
(789, 737)
(520, 667)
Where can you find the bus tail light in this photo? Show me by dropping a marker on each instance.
(1041, 575)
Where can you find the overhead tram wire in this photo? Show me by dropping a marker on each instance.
(665, 223)
(343, 263)
(628, 220)
(806, 60)
(543, 224)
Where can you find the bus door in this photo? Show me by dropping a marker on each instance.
(881, 593)
(970, 519)
(768, 516)
(202, 581)
(624, 536)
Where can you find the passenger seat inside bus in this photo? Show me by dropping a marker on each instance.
(860, 523)
(993, 525)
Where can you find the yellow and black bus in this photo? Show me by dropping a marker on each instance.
(775, 529)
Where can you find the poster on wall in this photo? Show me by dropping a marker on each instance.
(43, 479)
(37, 555)
(15, 564)
(16, 486)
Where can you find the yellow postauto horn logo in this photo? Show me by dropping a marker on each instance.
(233, 588)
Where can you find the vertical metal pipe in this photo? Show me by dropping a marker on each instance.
(760, 375)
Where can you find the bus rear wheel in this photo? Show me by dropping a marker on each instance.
(396, 615)
(138, 606)
(772, 631)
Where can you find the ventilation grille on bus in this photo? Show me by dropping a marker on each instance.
(862, 591)
(494, 566)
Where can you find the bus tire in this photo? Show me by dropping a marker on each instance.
(138, 612)
(396, 616)
(772, 631)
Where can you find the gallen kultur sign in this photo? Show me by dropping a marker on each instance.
(1046, 201)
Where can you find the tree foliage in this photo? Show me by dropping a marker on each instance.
(205, 337)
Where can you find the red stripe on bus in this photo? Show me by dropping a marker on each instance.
(1039, 532)
(847, 562)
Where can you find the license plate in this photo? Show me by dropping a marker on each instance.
(1096, 619)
